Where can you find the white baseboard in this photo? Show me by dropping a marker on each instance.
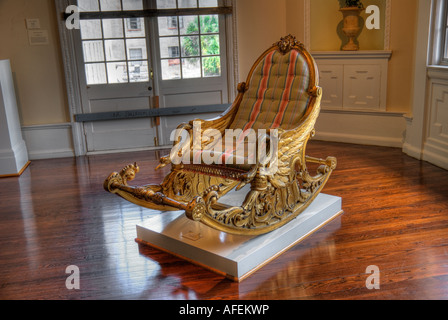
(412, 151)
(49, 141)
(360, 127)
(360, 139)
(13, 160)
(436, 152)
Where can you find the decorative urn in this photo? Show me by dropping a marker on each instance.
(351, 26)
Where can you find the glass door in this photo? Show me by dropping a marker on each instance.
(116, 71)
(163, 53)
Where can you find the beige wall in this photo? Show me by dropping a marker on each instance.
(402, 43)
(295, 18)
(260, 24)
(37, 70)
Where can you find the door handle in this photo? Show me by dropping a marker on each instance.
(149, 88)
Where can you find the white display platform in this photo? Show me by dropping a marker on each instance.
(234, 256)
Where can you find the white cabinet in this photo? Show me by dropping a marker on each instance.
(355, 80)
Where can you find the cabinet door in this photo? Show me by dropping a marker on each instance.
(362, 87)
(330, 80)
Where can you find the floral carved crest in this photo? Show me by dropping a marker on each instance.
(287, 43)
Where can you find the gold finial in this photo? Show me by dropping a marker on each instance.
(287, 43)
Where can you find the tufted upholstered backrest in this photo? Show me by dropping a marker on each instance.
(277, 94)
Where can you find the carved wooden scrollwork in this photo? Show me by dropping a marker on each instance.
(288, 43)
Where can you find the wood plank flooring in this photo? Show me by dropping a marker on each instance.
(57, 214)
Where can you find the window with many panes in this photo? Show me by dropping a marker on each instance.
(114, 50)
(189, 45)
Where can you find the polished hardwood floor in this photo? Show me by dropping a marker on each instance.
(57, 214)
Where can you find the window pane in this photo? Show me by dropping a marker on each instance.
(88, 5)
(211, 66)
(135, 54)
(209, 24)
(208, 3)
(168, 26)
(191, 68)
(138, 71)
(132, 5)
(110, 5)
(90, 29)
(117, 72)
(135, 27)
(170, 69)
(96, 73)
(93, 51)
(190, 46)
(166, 4)
(113, 28)
(169, 47)
(136, 49)
(114, 50)
(188, 3)
(189, 25)
(210, 45)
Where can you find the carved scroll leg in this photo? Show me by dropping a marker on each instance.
(316, 183)
(329, 164)
(148, 196)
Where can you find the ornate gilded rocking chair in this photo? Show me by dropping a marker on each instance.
(281, 99)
